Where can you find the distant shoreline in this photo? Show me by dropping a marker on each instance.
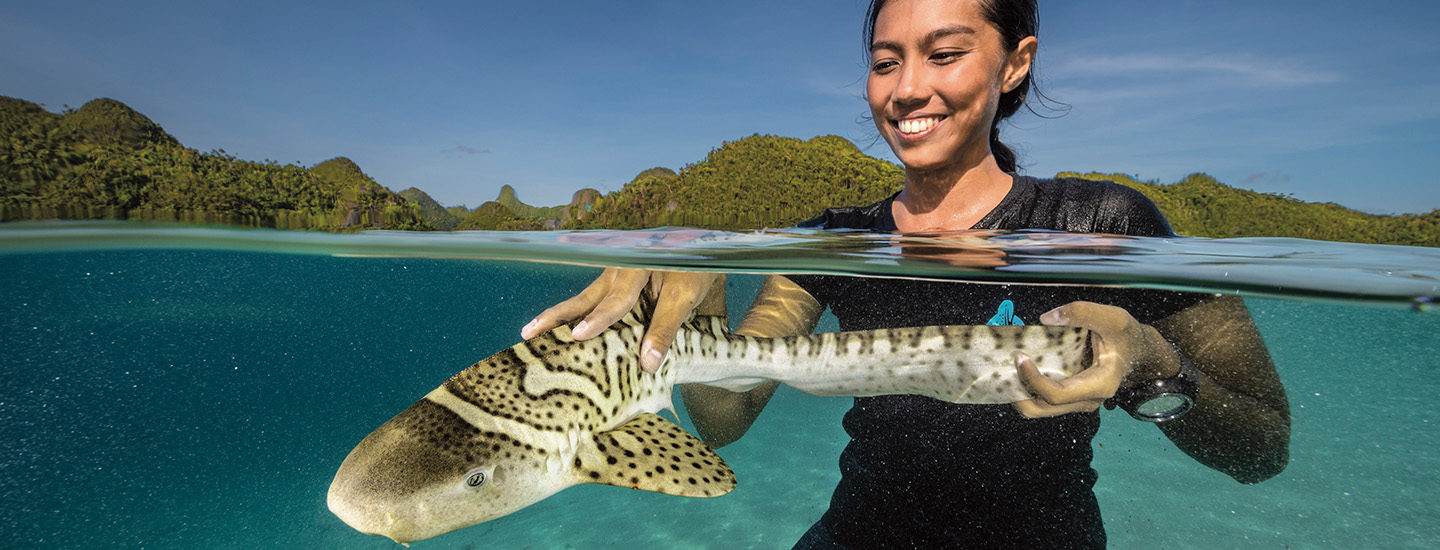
(107, 161)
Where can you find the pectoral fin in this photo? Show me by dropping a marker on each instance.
(653, 454)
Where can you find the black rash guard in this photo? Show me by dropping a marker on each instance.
(922, 473)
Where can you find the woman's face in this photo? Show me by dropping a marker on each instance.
(937, 70)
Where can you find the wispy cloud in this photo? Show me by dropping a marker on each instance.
(847, 87)
(1275, 178)
(1243, 68)
(467, 150)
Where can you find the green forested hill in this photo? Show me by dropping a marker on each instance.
(493, 216)
(754, 182)
(505, 212)
(522, 210)
(1202, 207)
(106, 161)
(445, 219)
(767, 181)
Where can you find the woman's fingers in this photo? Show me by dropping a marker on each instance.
(615, 292)
(1123, 347)
(1101, 319)
(1096, 383)
(1034, 408)
(678, 294)
(570, 309)
(1111, 329)
(623, 291)
(614, 289)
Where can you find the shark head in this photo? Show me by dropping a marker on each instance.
(516, 428)
(428, 471)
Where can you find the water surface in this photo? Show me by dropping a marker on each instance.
(168, 387)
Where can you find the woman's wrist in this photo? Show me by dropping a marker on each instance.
(1169, 393)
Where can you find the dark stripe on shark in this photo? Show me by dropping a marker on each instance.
(493, 387)
(578, 359)
(451, 433)
(591, 361)
(558, 404)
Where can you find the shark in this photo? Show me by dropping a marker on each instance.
(553, 412)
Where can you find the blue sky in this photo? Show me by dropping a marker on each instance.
(1321, 99)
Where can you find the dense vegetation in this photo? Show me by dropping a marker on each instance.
(493, 216)
(759, 181)
(525, 211)
(1202, 207)
(766, 181)
(444, 219)
(503, 213)
(106, 161)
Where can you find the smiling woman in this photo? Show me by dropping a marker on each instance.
(941, 81)
(924, 473)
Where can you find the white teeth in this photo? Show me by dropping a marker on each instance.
(917, 125)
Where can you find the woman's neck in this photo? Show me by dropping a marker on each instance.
(950, 200)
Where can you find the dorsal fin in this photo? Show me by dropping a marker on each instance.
(651, 453)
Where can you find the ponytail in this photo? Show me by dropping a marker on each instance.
(1004, 156)
(1016, 20)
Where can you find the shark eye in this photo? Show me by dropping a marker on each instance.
(477, 477)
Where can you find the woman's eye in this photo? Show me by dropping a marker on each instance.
(946, 57)
(883, 66)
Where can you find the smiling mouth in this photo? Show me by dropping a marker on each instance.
(916, 126)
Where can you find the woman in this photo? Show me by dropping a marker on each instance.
(923, 473)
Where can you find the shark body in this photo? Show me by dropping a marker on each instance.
(553, 412)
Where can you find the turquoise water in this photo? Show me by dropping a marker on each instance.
(180, 388)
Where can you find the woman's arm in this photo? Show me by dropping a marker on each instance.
(1240, 424)
(721, 416)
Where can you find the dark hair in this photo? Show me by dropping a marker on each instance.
(1016, 20)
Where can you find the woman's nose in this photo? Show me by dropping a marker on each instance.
(911, 87)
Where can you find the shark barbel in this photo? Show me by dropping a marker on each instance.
(553, 412)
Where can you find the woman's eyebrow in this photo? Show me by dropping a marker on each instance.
(930, 38)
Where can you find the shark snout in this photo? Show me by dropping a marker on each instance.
(392, 522)
(399, 483)
(349, 505)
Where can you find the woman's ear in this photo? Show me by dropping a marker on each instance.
(1017, 64)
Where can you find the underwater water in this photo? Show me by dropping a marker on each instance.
(194, 389)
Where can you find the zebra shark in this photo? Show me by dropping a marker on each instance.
(552, 412)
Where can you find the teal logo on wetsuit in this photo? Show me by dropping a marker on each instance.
(1005, 315)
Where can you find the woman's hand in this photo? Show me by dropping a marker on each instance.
(1123, 349)
(615, 292)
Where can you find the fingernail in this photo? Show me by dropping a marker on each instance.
(579, 332)
(1054, 317)
(651, 358)
(528, 331)
(1020, 357)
